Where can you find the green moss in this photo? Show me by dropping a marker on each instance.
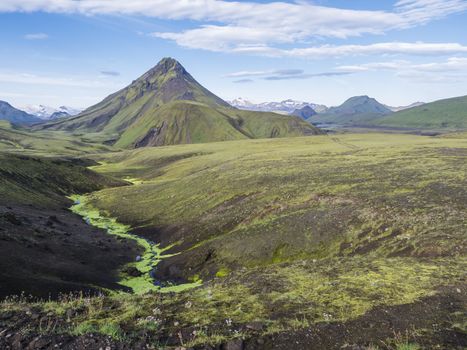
(223, 272)
(84, 328)
(113, 330)
(408, 346)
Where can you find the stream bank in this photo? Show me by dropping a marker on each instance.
(144, 280)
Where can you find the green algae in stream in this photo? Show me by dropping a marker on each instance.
(151, 255)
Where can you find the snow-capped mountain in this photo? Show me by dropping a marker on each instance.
(241, 103)
(47, 112)
(284, 107)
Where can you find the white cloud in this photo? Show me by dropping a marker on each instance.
(279, 72)
(390, 48)
(451, 64)
(33, 79)
(454, 69)
(110, 73)
(36, 36)
(252, 27)
(422, 11)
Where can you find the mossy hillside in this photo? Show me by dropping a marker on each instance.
(44, 182)
(182, 122)
(265, 201)
(444, 114)
(186, 122)
(271, 125)
(44, 143)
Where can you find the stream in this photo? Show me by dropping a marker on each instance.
(145, 263)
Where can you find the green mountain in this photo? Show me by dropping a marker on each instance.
(16, 116)
(355, 110)
(166, 105)
(444, 114)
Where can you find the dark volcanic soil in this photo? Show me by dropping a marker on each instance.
(44, 252)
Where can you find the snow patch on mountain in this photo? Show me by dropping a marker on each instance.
(283, 107)
(47, 112)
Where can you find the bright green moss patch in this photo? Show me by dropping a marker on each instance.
(151, 255)
(84, 328)
(223, 272)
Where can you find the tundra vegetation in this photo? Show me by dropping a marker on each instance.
(324, 242)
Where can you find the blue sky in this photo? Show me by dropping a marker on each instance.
(74, 53)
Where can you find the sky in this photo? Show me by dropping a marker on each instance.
(75, 53)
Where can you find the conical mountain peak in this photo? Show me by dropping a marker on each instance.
(165, 68)
(166, 105)
(169, 63)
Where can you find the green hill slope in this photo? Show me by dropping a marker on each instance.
(355, 110)
(167, 106)
(14, 139)
(444, 114)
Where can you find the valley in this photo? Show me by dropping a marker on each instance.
(323, 241)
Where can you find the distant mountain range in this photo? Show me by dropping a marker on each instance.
(293, 107)
(283, 107)
(364, 111)
(33, 114)
(49, 113)
(16, 116)
(166, 106)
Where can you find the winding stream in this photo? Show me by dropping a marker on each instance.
(145, 263)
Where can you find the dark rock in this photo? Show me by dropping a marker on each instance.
(236, 344)
(38, 343)
(54, 218)
(6, 315)
(69, 314)
(12, 218)
(255, 326)
(132, 271)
